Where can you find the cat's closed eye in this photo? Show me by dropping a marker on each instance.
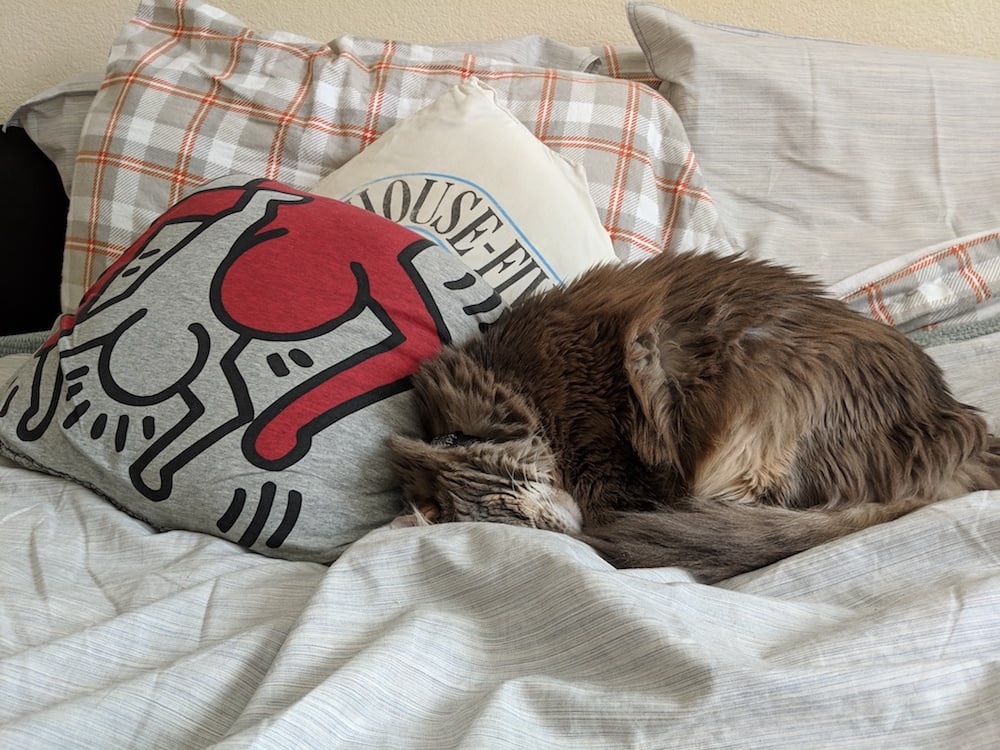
(506, 482)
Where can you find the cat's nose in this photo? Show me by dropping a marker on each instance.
(424, 513)
(430, 511)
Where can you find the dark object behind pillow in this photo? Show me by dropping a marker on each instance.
(33, 208)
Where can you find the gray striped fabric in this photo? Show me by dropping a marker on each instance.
(825, 155)
(22, 343)
(486, 636)
(483, 636)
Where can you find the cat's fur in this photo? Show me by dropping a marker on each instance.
(709, 412)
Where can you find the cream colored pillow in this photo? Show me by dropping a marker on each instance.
(468, 175)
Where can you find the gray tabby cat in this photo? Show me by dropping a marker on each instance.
(708, 412)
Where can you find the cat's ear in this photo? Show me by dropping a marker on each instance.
(419, 466)
(454, 393)
(649, 361)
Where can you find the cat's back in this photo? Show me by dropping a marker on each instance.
(613, 299)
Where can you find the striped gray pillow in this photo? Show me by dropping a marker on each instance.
(831, 156)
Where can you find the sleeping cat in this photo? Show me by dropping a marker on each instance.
(714, 413)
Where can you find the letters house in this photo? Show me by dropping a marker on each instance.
(464, 220)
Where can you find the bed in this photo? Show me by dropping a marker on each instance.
(138, 613)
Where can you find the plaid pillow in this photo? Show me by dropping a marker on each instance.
(627, 62)
(936, 294)
(191, 94)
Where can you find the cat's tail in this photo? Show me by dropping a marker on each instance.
(717, 540)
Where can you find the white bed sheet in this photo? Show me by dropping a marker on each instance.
(484, 636)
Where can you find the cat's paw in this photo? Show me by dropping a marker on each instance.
(406, 521)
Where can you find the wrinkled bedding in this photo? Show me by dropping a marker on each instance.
(481, 636)
(476, 635)
(488, 636)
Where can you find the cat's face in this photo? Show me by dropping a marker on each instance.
(507, 482)
(486, 460)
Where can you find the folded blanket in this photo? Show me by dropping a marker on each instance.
(22, 343)
(935, 295)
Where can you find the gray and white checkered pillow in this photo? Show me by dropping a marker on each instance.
(193, 96)
(935, 294)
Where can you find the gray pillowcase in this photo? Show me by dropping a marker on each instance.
(54, 118)
(831, 156)
(237, 371)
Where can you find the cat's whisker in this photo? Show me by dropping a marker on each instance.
(419, 515)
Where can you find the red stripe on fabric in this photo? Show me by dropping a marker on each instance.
(611, 61)
(682, 185)
(103, 249)
(290, 115)
(377, 96)
(686, 189)
(968, 272)
(679, 190)
(588, 143)
(922, 263)
(114, 121)
(468, 66)
(452, 70)
(134, 164)
(546, 105)
(625, 153)
(635, 239)
(254, 110)
(592, 143)
(877, 306)
(205, 106)
(644, 78)
(202, 34)
(613, 65)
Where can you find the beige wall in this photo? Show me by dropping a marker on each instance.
(45, 41)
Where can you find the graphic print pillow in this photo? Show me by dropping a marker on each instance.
(237, 371)
(466, 173)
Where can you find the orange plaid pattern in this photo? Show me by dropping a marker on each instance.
(627, 63)
(191, 95)
(950, 285)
